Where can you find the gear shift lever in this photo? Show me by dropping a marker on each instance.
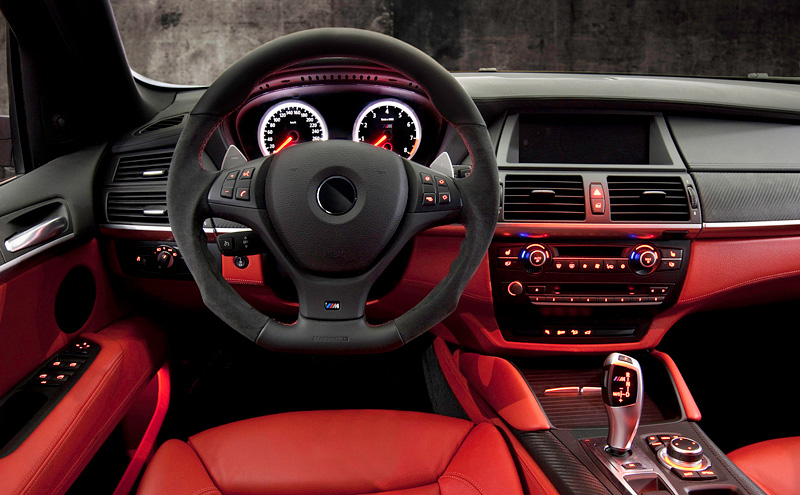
(622, 395)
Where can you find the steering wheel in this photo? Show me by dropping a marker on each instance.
(333, 213)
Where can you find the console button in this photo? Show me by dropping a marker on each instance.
(596, 266)
(559, 265)
(686, 474)
(583, 265)
(670, 265)
(572, 265)
(507, 252)
(507, 263)
(672, 253)
(632, 465)
(708, 474)
(622, 265)
(597, 197)
(535, 289)
(659, 290)
(610, 265)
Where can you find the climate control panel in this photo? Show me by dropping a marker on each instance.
(561, 290)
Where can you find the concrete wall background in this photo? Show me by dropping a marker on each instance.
(193, 41)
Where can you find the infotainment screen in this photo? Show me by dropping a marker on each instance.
(584, 139)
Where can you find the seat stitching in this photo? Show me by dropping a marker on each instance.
(460, 477)
(208, 489)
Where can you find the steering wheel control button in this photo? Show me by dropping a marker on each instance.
(440, 182)
(232, 175)
(226, 243)
(336, 195)
(515, 288)
(243, 193)
(241, 262)
(429, 199)
(247, 173)
(444, 198)
(427, 178)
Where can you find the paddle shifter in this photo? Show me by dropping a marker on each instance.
(623, 396)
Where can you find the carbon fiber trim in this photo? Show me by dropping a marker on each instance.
(563, 469)
(748, 197)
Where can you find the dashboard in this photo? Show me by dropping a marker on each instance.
(627, 202)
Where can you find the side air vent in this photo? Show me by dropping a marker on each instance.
(648, 199)
(539, 198)
(161, 124)
(137, 207)
(151, 166)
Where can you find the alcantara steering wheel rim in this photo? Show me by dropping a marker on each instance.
(192, 197)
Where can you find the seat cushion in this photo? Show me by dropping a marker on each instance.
(774, 465)
(337, 453)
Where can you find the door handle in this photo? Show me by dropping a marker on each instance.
(37, 234)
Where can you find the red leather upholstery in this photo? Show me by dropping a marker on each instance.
(774, 465)
(337, 452)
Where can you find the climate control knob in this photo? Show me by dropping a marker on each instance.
(644, 259)
(534, 257)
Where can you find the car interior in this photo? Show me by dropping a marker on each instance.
(341, 269)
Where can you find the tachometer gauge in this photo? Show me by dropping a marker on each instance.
(289, 123)
(389, 124)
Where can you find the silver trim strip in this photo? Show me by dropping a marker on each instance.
(159, 228)
(750, 225)
(9, 265)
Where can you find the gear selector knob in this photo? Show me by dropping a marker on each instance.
(623, 396)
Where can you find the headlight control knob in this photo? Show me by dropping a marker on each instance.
(515, 288)
(165, 256)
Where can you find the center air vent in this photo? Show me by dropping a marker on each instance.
(539, 198)
(150, 166)
(137, 207)
(648, 199)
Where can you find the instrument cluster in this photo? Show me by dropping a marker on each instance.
(397, 119)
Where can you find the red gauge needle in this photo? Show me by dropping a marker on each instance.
(284, 144)
(381, 140)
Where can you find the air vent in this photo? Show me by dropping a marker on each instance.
(648, 199)
(137, 207)
(152, 166)
(538, 198)
(161, 124)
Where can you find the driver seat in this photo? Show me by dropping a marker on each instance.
(355, 452)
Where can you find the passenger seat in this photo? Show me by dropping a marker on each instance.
(774, 465)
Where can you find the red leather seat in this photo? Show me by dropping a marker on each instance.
(337, 452)
(774, 465)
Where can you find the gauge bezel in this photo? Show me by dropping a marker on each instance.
(398, 104)
(285, 104)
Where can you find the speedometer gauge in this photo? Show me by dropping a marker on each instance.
(289, 123)
(389, 124)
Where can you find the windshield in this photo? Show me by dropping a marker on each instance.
(184, 42)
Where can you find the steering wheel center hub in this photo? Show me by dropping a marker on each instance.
(336, 195)
(335, 205)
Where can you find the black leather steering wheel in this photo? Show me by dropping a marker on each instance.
(333, 213)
